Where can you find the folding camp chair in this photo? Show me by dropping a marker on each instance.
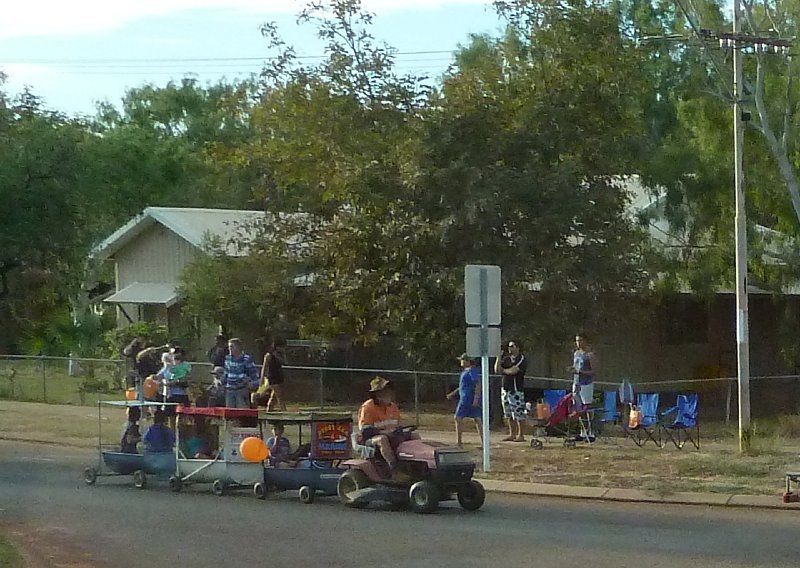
(610, 409)
(552, 397)
(685, 427)
(609, 413)
(647, 427)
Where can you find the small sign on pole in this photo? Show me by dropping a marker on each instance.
(483, 341)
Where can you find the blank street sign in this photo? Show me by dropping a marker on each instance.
(474, 341)
(482, 280)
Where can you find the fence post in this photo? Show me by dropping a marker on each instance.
(416, 398)
(728, 403)
(321, 376)
(44, 380)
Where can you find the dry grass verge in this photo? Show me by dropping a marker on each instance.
(612, 462)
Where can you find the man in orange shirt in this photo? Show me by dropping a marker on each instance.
(378, 417)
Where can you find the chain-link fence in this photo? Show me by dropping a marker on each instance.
(84, 381)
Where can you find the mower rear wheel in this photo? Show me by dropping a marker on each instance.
(351, 480)
(424, 497)
(471, 495)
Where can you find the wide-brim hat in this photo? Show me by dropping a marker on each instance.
(378, 384)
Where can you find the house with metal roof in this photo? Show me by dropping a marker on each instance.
(151, 250)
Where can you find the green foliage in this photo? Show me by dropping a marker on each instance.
(116, 339)
(392, 187)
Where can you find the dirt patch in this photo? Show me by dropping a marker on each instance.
(48, 547)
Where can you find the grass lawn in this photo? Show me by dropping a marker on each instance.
(9, 557)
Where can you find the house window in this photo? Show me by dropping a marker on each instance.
(684, 320)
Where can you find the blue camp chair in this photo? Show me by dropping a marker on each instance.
(685, 427)
(648, 427)
(552, 396)
(610, 409)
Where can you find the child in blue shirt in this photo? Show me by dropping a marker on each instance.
(279, 447)
(469, 397)
(159, 438)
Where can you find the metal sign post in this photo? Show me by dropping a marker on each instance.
(482, 308)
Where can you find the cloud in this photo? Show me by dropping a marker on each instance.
(32, 18)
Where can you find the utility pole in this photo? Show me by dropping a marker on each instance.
(742, 316)
(738, 42)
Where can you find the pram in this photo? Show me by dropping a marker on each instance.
(574, 424)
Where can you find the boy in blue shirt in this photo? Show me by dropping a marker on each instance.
(279, 446)
(469, 397)
(159, 438)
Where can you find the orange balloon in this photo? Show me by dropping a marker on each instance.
(150, 387)
(130, 394)
(253, 449)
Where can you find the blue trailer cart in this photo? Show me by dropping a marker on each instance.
(112, 462)
(313, 468)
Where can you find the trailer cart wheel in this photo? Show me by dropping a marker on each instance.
(139, 479)
(260, 491)
(218, 488)
(306, 494)
(175, 484)
(90, 475)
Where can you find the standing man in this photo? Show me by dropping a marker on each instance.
(272, 374)
(584, 367)
(218, 352)
(240, 373)
(469, 396)
(512, 365)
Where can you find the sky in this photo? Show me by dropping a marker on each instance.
(78, 53)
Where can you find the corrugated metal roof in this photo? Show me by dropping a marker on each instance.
(160, 293)
(192, 224)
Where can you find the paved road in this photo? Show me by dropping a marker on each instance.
(113, 524)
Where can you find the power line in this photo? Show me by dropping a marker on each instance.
(177, 60)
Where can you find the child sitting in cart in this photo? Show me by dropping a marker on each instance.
(279, 447)
(130, 435)
(197, 445)
(159, 438)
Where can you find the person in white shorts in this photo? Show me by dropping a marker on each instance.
(584, 367)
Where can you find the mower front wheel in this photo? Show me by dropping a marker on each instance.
(424, 497)
(471, 495)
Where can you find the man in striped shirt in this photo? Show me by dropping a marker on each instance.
(240, 373)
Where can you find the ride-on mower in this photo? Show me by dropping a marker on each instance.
(426, 474)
